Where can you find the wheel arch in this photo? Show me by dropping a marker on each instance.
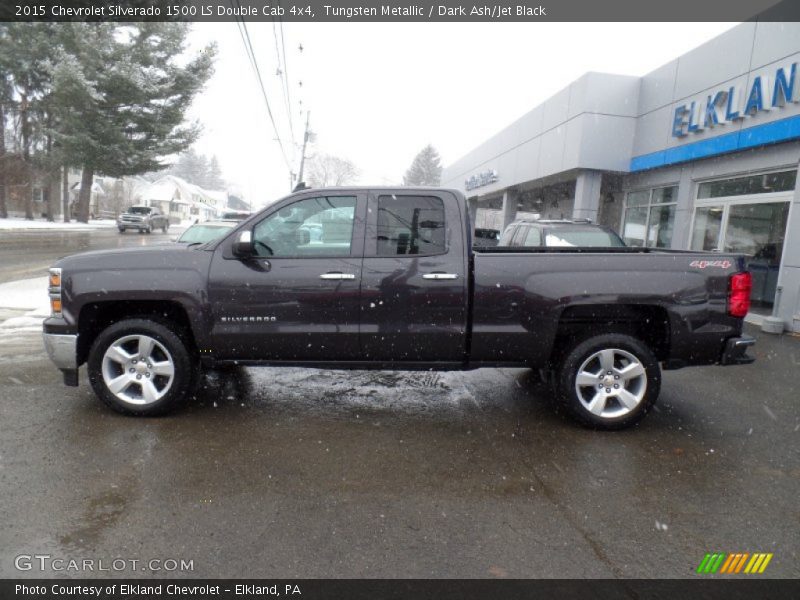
(97, 316)
(649, 323)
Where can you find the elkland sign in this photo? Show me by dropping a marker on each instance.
(481, 179)
(733, 103)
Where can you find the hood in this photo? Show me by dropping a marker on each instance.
(154, 256)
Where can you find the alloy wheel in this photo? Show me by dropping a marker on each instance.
(611, 383)
(138, 369)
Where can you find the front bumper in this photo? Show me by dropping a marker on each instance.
(735, 351)
(62, 350)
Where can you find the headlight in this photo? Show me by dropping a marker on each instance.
(55, 292)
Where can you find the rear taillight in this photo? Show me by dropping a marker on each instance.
(739, 288)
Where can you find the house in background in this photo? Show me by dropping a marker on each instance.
(182, 200)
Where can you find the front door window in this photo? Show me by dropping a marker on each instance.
(314, 227)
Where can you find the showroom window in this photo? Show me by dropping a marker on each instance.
(766, 183)
(650, 217)
(747, 215)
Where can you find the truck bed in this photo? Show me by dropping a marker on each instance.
(523, 295)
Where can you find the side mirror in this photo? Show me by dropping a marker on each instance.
(243, 247)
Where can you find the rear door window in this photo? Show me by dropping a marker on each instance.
(520, 235)
(507, 236)
(533, 238)
(410, 225)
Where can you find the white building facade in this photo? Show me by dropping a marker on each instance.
(702, 154)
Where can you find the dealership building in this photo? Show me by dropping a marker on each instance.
(700, 154)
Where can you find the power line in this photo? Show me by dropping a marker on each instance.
(284, 76)
(254, 63)
(285, 67)
(241, 35)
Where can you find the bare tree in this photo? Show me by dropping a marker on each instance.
(326, 170)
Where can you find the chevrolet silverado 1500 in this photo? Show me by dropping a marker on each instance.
(388, 278)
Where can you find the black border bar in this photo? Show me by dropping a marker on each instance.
(710, 588)
(401, 10)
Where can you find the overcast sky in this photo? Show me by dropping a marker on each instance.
(380, 92)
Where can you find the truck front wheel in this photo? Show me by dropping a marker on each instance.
(609, 381)
(141, 367)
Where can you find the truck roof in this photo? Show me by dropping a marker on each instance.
(380, 188)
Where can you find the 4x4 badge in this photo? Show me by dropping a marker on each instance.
(702, 264)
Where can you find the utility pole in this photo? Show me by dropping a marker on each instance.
(303, 155)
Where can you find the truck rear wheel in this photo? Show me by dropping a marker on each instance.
(141, 367)
(609, 381)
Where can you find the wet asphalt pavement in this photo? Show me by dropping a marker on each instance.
(28, 254)
(292, 472)
(302, 473)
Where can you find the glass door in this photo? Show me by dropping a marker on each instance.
(758, 230)
(754, 228)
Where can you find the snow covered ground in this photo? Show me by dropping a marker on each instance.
(24, 304)
(17, 224)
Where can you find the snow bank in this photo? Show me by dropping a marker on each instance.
(23, 224)
(28, 296)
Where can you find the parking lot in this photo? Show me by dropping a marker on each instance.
(293, 472)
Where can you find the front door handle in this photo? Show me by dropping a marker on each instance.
(337, 275)
(440, 276)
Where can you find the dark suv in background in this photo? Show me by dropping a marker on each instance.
(562, 232)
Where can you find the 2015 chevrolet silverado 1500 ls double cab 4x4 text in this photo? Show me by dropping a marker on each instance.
(390, 280)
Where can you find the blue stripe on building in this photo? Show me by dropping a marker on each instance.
(752, 137)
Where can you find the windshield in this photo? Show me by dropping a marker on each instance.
(139, 210)
(203, 233)
(583, 237)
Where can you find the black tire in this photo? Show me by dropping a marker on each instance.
(168, 346)
(618, 397)
(164, 227)
(149, 229)
(121, 229)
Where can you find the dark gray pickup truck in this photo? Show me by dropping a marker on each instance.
(387, 278)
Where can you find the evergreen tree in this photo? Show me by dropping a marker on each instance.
(426, 168)
(5, 98)
(213, 179)
(198, 169)
(190, 166)
(26, 52)
(122, 98)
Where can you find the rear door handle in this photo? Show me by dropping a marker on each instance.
(337, 275)
(440, 276)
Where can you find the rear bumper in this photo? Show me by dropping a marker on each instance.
(735, 351)
(62, 350)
